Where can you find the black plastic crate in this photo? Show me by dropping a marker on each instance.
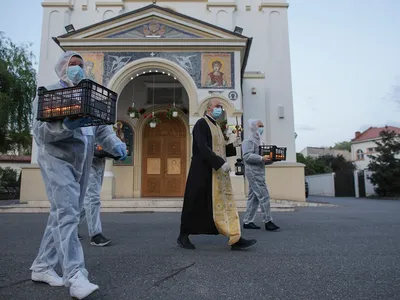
(87, 99)
(275, 153)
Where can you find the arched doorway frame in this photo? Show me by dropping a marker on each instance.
(229, 108)
(123, 77)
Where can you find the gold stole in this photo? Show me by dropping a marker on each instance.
(225, 214)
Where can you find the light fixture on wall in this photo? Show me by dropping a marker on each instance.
(238, 30)
(281, 112)
(70, 28)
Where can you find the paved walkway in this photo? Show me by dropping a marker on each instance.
(351, 251)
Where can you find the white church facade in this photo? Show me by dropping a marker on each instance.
(177, 54)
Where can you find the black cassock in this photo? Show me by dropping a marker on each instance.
(197, 212)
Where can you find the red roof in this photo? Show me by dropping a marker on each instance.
(373, 133)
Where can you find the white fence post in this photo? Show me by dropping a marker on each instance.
(356, 184)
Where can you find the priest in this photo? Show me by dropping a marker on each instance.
(209, 206)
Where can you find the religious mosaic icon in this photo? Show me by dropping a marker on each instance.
(216, 70)
(94, 66)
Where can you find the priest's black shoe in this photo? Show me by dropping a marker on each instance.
(242, 244)
(184, 242)
(251, 225)
(269, 226)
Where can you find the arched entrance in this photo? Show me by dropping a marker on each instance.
(164, 160)
(162, 173)
(123, 76)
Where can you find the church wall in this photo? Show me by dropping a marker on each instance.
(267, 90)
(269, 53)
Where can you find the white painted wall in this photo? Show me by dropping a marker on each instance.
(321, 184)
(269, 54)
(363, 164)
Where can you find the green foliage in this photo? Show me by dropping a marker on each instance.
(385, 166)
(8, 177)
(342, 146)
(325, 164)
(17, 91)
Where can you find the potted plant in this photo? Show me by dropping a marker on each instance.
(133, 112)
(171, 113)
(153, 120)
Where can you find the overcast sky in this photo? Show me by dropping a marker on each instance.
(345, 58)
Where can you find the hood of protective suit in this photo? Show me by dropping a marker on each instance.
(62, 66)
(253, 127)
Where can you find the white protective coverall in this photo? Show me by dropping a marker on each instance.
(92, 204)
(65, 157)
(255, 173)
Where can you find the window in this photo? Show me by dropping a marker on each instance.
(371, 149)
(360, 154)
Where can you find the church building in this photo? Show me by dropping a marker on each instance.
(168, 59)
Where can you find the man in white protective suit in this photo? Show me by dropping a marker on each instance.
(255, 173)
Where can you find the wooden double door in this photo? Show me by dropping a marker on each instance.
(164, 159)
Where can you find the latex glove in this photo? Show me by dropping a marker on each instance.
(237, 142)
(74, 124)
(121, 150)
(226, 167)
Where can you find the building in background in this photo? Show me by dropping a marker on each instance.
(315, 152)
(364, 144)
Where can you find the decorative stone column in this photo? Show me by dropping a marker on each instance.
(108, 189)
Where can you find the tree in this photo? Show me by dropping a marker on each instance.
(337, 163)
(385, 166)
(17, 90)
(313, 166)
(325, 164)
(342, 146)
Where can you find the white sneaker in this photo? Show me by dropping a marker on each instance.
(49, 276)
(81, 287)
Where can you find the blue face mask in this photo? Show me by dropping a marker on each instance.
(75, 74)
(260, 130)
(217, 111)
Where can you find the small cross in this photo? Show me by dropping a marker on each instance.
(152, 54)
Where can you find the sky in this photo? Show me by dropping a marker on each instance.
(345, 57)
